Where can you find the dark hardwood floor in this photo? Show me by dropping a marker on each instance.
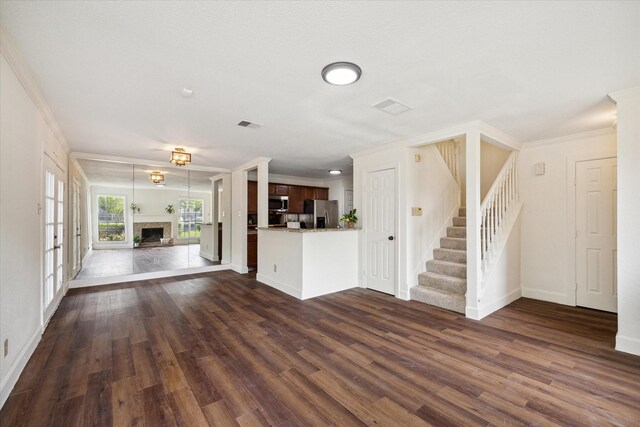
(222, 349)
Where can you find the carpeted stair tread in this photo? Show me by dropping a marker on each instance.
(453, 255)
(457, 232)
(453, 243)
(448, 268)
(454, 285)
(439, 298)
(459, 221)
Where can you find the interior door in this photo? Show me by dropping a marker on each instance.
(380, 225)
(54, 200)
(596, 204)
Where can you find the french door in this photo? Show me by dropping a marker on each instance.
(76, 251)
(54, 200)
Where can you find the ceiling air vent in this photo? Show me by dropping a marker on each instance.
(391, 106)
(246, 124)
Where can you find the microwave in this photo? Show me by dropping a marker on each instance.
(278, 204)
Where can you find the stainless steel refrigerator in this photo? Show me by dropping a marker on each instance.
(325, 212)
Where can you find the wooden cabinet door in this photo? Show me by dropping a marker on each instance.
(252, 197)
(282, 190)
(296, 201)
(321, 193)
(272, 189)
(309, 193)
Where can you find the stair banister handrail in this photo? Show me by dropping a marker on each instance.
(507, 165)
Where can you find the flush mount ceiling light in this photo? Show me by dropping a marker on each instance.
(156, 177)
(187, 93)
(341, 73)
(161, 185)
(335, 172)
(180, 157)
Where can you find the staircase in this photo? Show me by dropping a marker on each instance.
(444, 284)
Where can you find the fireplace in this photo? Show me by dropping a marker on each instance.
(151, 234)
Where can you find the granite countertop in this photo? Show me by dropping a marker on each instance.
(307, 230)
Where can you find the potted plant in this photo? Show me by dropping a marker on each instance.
(169, 209)
(136, 241)
(350, 218)
(134, 208)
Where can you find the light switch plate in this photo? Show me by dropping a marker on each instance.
(540, 168)
(416, 211)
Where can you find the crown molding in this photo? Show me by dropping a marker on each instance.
(252, 164)
(29, 84)
(145, 162)
(625, 93)
(568, 138)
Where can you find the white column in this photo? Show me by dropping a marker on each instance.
(628, 104)
(474, 272)
(263, 194)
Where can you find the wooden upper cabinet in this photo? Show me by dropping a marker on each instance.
(321, 193)
(272, 189)
(252, 197)
(282, 190)
(308, 193)
(296, 200)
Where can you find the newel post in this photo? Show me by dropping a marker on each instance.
(474, 271)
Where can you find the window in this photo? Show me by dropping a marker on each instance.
(189, 217)
(111, 224)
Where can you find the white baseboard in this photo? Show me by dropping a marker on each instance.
(327, 291)
(404, 295)
(542, 295)
(15, 370)
(495, 305)
(238, 269)
(282, 287)
(100, 281)
(628, 344)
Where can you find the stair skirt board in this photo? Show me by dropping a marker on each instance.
(444, 284)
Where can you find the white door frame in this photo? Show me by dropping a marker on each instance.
(398, 240)
(572, 286)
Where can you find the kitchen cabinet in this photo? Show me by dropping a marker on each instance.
(308, 193)
(296, 199)
(252, 197)
(282, 190)
(321, 193)
(252, 251)
(272, 189)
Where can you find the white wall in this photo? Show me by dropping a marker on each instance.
(24, 135)
(502, 283)
(426, 184)
(546, 252)
(492, 159)
(628, 105)
(431, 188)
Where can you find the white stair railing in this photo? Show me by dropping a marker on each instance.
(450, 150)
(496, 210)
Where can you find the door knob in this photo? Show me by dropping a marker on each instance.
(57, 247)
(390, 237)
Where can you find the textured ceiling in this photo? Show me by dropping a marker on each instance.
(112, 73)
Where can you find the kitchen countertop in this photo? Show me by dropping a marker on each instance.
(306, 230)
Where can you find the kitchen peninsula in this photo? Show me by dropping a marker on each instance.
(307, 263)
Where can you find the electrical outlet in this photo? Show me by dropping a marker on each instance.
(275, 268)
(5, 351)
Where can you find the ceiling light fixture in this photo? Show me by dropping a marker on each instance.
(341, 73)
(187, 93)
(180, 157)
(161, 185)
(335, 172)
(156, 177)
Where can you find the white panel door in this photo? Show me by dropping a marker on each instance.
(54, 199)
(380, 225)
(596, 202)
